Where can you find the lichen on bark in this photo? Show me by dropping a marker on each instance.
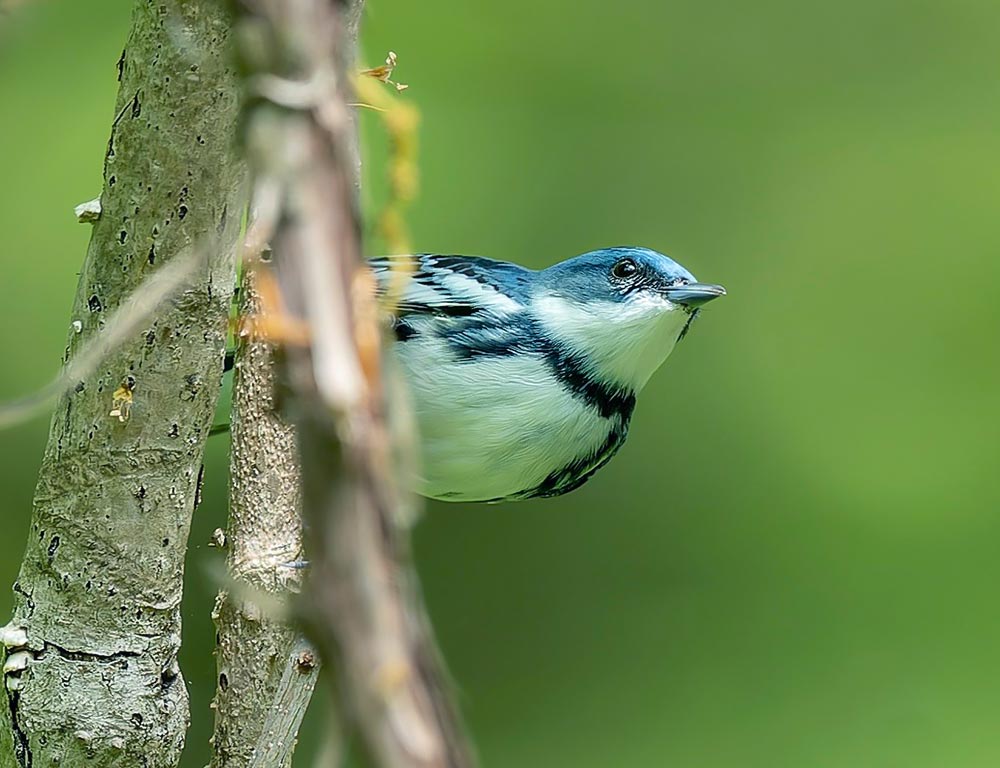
(97, 600)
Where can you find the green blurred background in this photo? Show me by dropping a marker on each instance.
(794, 560)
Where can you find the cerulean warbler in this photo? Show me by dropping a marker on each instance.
(523, 382)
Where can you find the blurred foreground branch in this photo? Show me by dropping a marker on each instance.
(91, 672)
(362, 602)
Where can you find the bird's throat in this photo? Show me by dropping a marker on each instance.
(624, 342)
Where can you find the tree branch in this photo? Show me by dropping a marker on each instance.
(91, 673)
(362, 604)
(267, 671)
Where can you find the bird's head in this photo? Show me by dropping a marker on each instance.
(623, 309)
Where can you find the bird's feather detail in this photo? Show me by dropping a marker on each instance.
(451, 285)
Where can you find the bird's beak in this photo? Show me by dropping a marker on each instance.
(694, 294)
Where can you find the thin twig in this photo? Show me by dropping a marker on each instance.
(129, 318)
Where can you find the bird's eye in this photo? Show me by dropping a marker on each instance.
(624, 268)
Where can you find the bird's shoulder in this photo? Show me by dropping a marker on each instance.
(449, 285)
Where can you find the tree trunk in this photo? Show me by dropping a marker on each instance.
(91, 667)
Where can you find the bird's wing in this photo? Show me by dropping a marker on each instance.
(451, 286)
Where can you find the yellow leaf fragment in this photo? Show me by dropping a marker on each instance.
(121, 400)
(400, 120)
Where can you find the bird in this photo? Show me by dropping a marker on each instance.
(523, 382)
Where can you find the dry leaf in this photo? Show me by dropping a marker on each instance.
(384, 72)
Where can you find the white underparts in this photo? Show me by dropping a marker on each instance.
(625, 341)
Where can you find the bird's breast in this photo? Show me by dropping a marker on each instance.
(502, 426)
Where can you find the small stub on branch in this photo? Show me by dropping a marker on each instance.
(16, 662)
(15, 641)
(218, 539)
(88, 212)
(306, 661)
(13, 636)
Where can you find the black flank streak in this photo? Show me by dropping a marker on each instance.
(402, 331)
(455, 310)
(609, 400)
(520, 335)
(572, 476)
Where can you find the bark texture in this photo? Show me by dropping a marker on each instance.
(267, 671)
(91, 672)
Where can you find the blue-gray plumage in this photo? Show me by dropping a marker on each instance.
(523, 382)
